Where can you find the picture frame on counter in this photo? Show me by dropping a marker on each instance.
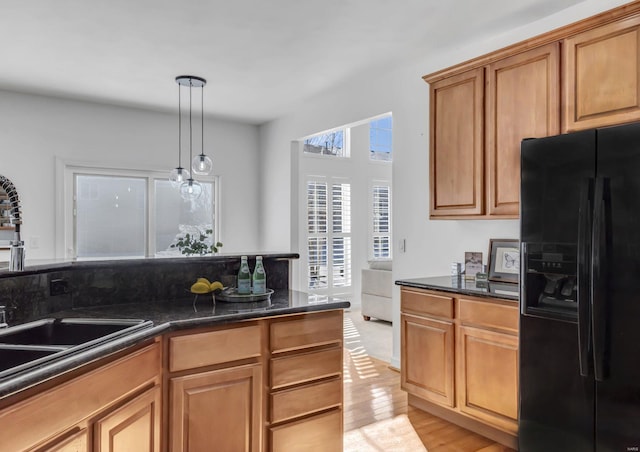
(504, 260)
(472, 264)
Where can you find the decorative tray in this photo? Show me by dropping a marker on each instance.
(231, 294)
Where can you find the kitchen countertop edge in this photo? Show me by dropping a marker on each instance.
(32, 377)
(442, 284)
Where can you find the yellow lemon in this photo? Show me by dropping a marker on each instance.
(216, 285)
(200, 288)
(203, 280)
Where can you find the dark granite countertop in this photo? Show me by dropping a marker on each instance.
(466, 287)
(166, 317)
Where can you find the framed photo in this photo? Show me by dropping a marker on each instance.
(472, 264)
(504, 260)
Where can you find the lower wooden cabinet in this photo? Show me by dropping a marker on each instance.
(134, 426)
(460, 360)
(217, 410)
(252, 386)
(305, 383)
(61, 418)
(428, 358)
(488, 376)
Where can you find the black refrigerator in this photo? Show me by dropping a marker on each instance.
(580, 291)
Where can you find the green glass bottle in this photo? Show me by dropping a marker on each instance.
(259, 277)
(244, 277)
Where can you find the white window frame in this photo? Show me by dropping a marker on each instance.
(65, 198)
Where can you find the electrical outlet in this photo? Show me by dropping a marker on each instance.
(58, 287)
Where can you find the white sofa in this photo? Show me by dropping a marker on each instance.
(377, 286)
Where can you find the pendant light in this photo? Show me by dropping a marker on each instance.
(202, 164)
(179, 174)
(189, 188)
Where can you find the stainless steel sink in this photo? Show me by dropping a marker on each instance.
(67, 332)
(26, 346)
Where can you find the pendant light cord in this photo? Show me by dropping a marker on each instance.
(190, 125)
(179, 129)
(202, 117)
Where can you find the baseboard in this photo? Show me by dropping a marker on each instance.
(478, 427)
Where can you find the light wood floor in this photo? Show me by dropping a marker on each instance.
(372, 393)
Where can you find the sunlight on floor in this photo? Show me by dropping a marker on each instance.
(372, 418)
(360, 361)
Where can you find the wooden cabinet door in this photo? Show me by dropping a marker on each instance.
(456, 149)
(601, 82)
(134, 426)
(428, 358)
(217, 410)
(523, 101)
(487, 383)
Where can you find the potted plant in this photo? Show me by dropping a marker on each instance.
(197, 243)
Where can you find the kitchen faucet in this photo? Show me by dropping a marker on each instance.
(16, 260)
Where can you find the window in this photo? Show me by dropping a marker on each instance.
(121, 213)
(381, 216)
(329, 143)
(110, 216)
(328, 248)
(174, 215)
(380, 139)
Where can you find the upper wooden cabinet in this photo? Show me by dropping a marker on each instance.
(583, 75)
(477, 127)
(602, 85)
(523, 102)
(456, 167)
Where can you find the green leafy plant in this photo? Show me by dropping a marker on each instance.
(196, 244)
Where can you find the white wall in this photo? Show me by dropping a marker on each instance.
(34, 130)
(431, 245)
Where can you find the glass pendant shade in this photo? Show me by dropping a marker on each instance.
(190, 189)
(202, 165)
(178, 175)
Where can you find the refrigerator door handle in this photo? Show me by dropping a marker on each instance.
(598, 278)
(585, 214)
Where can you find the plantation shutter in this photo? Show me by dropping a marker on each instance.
(329, 247)
(381, 222)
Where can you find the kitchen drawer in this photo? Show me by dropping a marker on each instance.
(306, 331)
(213, 347)
(488, 314)
(317, 433)
(418, 302)
(301, 368)
(303, 400)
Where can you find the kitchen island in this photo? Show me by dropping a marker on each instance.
(459, 353)
(256, 376)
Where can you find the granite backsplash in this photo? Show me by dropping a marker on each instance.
(44, 291)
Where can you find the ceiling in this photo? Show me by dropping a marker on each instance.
(261, 58)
